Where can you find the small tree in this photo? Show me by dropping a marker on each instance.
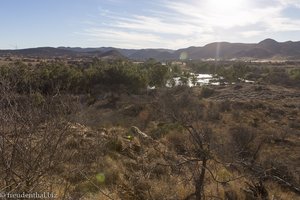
(158, 75)
(188, 111)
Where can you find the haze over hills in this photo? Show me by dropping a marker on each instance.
(266, 49)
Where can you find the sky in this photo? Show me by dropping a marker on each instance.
(171, 24)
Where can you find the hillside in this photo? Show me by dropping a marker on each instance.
(98, 131)
(50, 52)
(266, 49)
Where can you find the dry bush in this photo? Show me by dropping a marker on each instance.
(192, 114)
(178, 141)
(225, 106)
(294, 124)
(213, 112)
(207, 92)
(33, 129)
(242, 137)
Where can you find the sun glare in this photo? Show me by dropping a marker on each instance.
(225, 6)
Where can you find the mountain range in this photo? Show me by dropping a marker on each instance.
(266, 49)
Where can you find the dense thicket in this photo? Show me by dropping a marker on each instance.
(53, 77)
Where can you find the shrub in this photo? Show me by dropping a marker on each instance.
(225, 106)
(164, 129)
(178, 141)
(206, 92)
(243, 138)
(114, 144)
(213, 112)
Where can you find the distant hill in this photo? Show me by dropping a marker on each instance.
(135, 54)
(112, 54)
(50, 52)
(158, 54)
(38, 52)
(266, 49)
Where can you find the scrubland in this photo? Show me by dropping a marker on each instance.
(98, 132)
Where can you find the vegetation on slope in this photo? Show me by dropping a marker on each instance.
(77, 132)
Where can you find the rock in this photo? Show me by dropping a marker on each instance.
(137, 132)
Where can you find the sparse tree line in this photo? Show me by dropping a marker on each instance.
(50, 78)
(280, 74)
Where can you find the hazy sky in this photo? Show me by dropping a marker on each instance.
(145, 23)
